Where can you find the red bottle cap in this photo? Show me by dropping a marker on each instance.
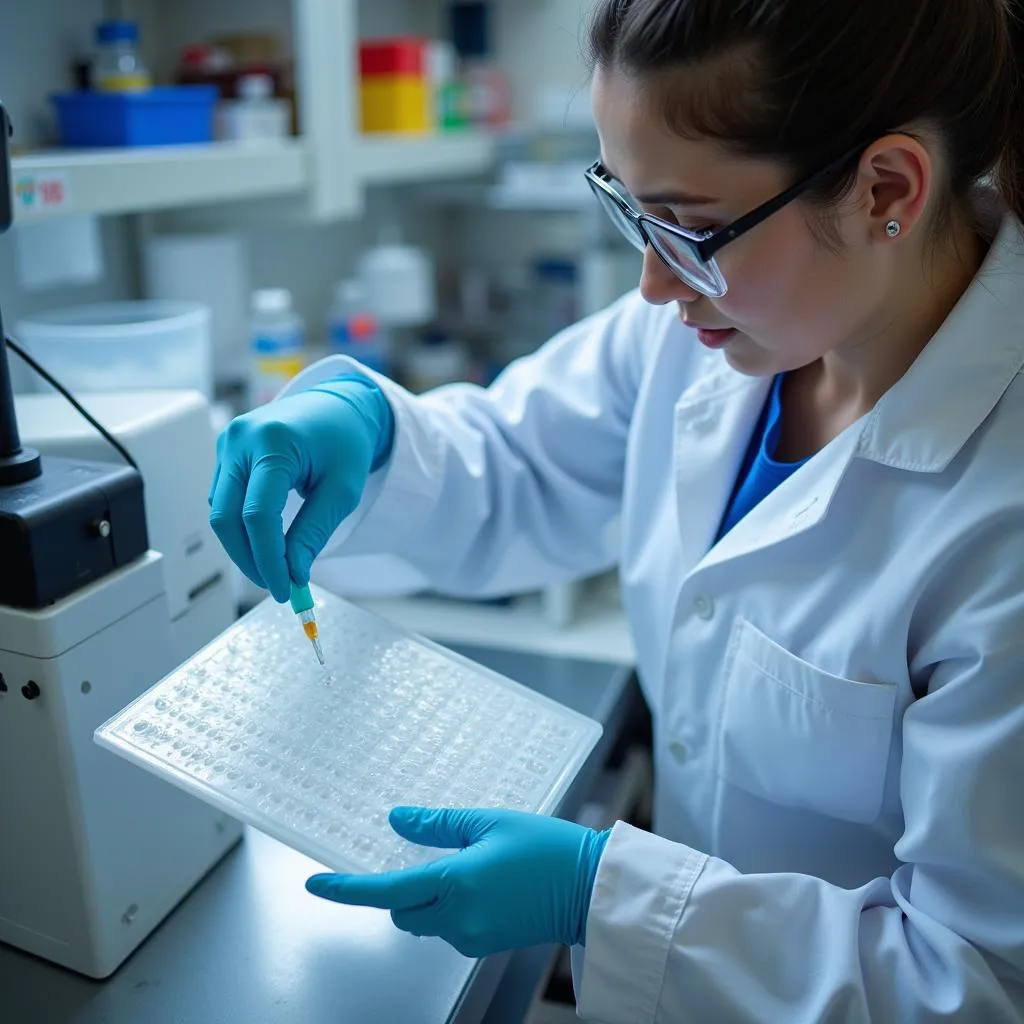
(401, 56)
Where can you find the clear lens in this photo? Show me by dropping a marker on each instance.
(685, 263)
(628, 227)
(677, 253)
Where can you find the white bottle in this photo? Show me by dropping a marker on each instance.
(353, 329)
(277, 339)
(255, 116)
(399, 282)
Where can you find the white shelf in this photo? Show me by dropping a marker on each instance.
(139, 180)
(167, 177)
(399, 159)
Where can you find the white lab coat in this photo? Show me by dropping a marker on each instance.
(837, 686)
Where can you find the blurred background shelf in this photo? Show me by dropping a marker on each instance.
(399, 159)
(142, 180)
(158, 178)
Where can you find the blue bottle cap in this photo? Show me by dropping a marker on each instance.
(117, 32)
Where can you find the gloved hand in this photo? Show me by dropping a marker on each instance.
(323, 443)
(517, 880)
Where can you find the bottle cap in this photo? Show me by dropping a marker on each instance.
(272, 300)
(117, 32)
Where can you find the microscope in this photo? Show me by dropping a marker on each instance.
(94, 853)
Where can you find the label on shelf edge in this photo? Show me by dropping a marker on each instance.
(41, 193)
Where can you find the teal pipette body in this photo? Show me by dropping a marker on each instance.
(302, 604)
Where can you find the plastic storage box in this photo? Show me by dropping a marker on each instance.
(167, 116)
(122, 346)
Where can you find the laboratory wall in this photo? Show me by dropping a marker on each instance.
(543, 54)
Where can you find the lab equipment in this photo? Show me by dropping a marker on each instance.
(54, 536)
(304, 607)
(162, 116)
(92, 858)
(277, 340)
(320, 767)
(399, 281)
(323, 443)
(118, 65)
(171, 438)
(353, 328)
(394, 89)
(519, 880)
(256, 115)
(94, 855)
(122, 346)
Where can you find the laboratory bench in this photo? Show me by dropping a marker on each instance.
(250, 945)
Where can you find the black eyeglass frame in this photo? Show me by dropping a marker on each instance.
(705, 245)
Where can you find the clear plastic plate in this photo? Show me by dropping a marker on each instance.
(316, 757)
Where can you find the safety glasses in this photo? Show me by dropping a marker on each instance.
(690, 255)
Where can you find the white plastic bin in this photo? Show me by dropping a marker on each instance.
(123, 346)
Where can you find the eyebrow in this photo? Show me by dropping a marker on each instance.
(664, 198)
(674, 199)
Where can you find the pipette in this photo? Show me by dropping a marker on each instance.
(302, 605)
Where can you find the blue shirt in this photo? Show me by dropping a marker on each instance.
(760, 473)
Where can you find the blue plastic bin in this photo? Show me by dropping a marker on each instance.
(168, 116)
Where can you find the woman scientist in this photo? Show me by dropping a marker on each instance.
(810, 422)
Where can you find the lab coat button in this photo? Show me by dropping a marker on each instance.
(704, 607)
(678, 750)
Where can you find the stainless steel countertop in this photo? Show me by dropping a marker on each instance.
(250, 945)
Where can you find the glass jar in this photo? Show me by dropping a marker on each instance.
(118, 66)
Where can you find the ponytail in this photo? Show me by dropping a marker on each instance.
(1010, 170)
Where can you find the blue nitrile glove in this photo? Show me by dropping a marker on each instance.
(517, 880)
(323, 443)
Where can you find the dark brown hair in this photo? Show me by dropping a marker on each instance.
(805, 80)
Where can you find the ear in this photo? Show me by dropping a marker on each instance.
(896, 177)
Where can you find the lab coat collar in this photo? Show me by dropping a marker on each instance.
(923, 422)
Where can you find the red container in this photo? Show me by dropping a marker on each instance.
(400, 56)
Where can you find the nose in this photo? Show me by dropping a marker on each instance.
(659, 285)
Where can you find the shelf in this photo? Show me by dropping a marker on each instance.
(138, 180)
(599, 633)
(167, 177)
(404, 159)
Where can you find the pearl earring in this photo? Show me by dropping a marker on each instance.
(893, 228)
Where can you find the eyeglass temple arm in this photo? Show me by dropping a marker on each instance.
(709, 246)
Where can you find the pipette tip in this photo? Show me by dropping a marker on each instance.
(319, 652)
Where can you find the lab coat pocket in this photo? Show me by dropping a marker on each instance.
(797, 736)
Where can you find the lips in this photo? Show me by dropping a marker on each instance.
(715, 337)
